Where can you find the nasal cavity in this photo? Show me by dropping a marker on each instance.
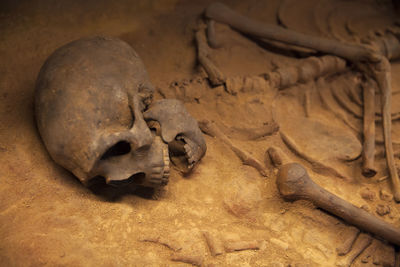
(119, 149)
(137, 179)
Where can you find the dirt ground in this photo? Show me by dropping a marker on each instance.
(47, 218)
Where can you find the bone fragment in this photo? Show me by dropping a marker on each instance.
(317, 166)
(277, 156)
(383, 209)
(212, 129)
(162, 241)
(368, 253)
(367, 194)
(294, 183)
(231, 246)
(211, 36)
(214, 244)
(368, 154)
(360, 245)
(221, 13)
(251, 133)
(351, 234)
(385, 196)
(196, 260)
(215, 76)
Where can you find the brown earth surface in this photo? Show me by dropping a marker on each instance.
(47, 218)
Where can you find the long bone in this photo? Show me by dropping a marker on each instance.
(294, 183)
(210, 128)
(221, 13)
(365, 57)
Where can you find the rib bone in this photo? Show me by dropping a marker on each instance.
(368, 155)
(294, 183)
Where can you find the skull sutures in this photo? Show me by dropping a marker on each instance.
(90, 99)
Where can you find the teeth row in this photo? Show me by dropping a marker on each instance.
(190, 155)
(160, 174)
(166, 166)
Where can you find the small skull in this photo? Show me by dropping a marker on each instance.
(90, 99)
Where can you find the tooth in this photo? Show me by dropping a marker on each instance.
(155, 181)
(157, 169)
(188, 149)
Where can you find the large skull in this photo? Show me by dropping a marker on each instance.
(90, 95)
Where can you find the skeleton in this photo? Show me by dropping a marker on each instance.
(372, 57)
(96, 116)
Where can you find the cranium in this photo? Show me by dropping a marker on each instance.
(90, 99)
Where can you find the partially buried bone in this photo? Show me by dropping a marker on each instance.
(362, 242)
(215, 76)
(179, 130)
(212, 129)
(214, 244)
(277, 156)
(231, 246)
(294, 183)
(196, 260)
(254, 133)
(350, 235)
(155, 238)
(368, 154)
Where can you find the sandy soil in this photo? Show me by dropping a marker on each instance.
(47, 218)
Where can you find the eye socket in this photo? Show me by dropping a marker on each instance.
(119, 149)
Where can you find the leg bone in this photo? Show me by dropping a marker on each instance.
(294, 183)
